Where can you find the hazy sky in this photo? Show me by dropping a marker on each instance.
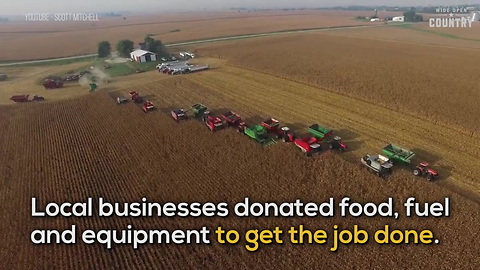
(52, 6)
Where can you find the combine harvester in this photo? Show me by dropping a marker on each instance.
(198, 110)
(213, 122)
(309, 145)
(148, 106)
(258, 133)
(379, 164)
(121, 100)
(325, 135)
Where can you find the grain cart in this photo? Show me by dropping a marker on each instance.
(258, 133)
(397, 153)
(325, 135)
(271, 124)
(232, 119)
(20, 98)
(381, 165)
(308, 145)
(423, 169)
(179, 114)
(135, 96)
(198, 110)
(148, 106)
(213, 123)
(51, 84)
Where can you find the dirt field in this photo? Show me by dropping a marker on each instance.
(91, 147)
(56, 39)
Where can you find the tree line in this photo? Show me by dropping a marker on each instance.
(125, 47)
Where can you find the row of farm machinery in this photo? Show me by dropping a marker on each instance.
(269, 131)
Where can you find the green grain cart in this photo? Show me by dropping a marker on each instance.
(397, 153)
(320, 132)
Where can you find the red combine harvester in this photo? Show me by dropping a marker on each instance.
(148, 106)
(179, 114)
(423, 169)
(232, 119)
(213, 123)
(24, 98)
(308, 145)
(52, 84)
(135, 96)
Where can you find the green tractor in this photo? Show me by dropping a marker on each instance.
(198, 110)
(258, 133)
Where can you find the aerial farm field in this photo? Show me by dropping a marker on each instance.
(370, 88)
(57, 39)
(90, 146)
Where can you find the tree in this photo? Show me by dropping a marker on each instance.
(124, 47)
(104, 49)
(412, 16)
(155, 46)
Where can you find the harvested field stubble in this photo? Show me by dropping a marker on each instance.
(91, 147)
(438, 84)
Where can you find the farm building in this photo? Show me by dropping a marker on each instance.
(143, 56)
(398, 19)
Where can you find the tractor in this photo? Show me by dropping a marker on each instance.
(423, 169)
(179, 114)
(93, 87)
(213, 122)
(198, 110)
(337, 143)
(148, 106)
(309, 145)
(232, 119)
(285, 134)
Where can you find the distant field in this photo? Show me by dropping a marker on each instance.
(53, 39)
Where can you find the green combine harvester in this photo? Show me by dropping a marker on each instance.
(93, 87)
(258, 133)
(198, 110)
(397, 153)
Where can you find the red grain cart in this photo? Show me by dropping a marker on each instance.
(20, 98)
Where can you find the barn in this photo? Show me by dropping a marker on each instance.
(143, 56)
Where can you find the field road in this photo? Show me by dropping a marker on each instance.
(209, 40)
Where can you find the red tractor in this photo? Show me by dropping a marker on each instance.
(179, 114)
(423, 169)
(213, 123)
(232, 119)
(148, 106)
(308, 145)
(285, 134)
(337, 143)
(51, 84)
